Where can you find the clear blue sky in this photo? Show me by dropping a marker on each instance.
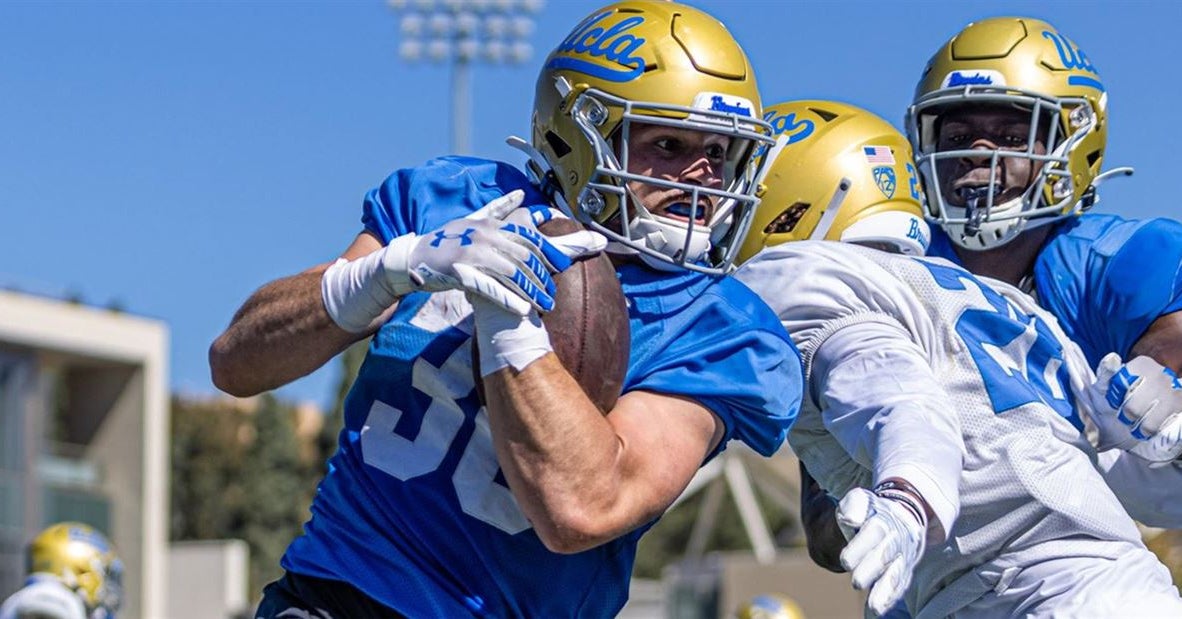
(174, 156)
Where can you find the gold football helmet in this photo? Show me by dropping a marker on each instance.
(653, 62)
(83, 560)
(1015, 63)
(769, 606)
(843, 174)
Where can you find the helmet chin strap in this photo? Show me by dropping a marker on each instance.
(662, 235)
(668, 238)
(973, 211)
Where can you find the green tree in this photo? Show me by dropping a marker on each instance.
(276, 492)
(206, 453)
(237, 474)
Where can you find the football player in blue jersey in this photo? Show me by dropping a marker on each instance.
(1009, 126)
(947, 411)
(646, 128)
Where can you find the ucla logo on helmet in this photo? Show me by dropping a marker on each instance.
(591, 40)
(88, 536)
(796, 130)
(1074, 58)
(884, 177)
(1070, 54)
(975, 77)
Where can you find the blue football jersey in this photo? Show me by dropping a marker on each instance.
(1105, 278)
(415, 511)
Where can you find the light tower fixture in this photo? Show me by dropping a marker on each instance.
(462, 33)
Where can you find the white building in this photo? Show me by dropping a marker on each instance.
(84, 436)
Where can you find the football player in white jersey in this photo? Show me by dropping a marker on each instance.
(946, 410)
(74, 573)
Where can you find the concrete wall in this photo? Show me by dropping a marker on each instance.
(207, 580)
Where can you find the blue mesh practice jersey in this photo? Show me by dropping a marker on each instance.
(414, 510)
(1105, 278)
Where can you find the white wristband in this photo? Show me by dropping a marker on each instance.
(508, 339)
(355, 292)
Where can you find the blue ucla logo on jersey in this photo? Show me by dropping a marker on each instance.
(884, 177)
(614, 44)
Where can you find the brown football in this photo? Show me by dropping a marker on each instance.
(588, 326)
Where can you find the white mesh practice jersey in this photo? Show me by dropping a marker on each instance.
(917, 369)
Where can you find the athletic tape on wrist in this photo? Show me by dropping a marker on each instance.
(356, 292)
(509, 340)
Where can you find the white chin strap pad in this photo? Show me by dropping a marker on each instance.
(667, 237)
(991, 233)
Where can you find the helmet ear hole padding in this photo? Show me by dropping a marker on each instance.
(786, 221)
(557, 144)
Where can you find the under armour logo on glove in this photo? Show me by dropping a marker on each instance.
(465, 237)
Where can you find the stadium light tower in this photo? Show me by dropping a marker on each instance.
(462, 33)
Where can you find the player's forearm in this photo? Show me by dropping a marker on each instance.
(884, 404)
(1162, 341)
(281, 333)
(560, 455)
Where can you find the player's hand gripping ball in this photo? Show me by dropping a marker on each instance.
(588, 326)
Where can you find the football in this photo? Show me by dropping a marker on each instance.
(588, 326)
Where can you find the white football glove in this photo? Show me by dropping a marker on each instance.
(886, 532)
(496, 253)
(506, 339)
(1135, 404)
(506, 263)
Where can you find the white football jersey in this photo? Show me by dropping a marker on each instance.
(918, 369)
(43, 598)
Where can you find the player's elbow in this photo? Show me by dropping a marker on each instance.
(564, 542)
(578, 528)
(226, 373)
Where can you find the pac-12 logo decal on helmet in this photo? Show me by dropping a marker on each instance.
(614, 44)
(884, 177)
